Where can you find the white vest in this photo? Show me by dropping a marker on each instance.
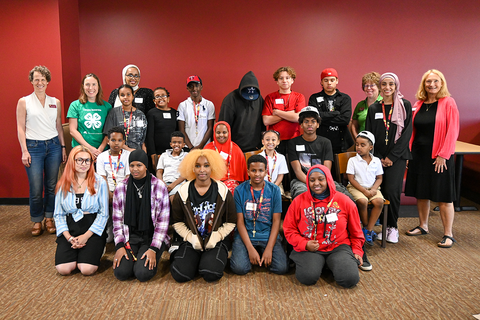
(40, 123)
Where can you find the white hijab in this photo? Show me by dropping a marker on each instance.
(118, 103)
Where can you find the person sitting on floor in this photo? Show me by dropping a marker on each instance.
(203, 215)
(259, 210)
(141, 213)
(323, 227)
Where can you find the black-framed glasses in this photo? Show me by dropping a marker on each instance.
(161, 97)
(81, 161)
(131, 76)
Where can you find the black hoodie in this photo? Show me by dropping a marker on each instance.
(244, 116)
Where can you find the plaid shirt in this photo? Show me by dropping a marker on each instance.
(160, 213)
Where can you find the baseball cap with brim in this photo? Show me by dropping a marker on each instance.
(309, 109)
(250, 93)
(367, 135)
(195, 79)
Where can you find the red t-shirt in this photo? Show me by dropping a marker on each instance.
(285, 102)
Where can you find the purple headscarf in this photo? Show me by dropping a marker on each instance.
(398, 114)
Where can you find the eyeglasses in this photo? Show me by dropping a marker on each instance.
(161, 97)
(369, 86)
(131, 76)
(81, 161)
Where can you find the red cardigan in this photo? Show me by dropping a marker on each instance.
(447, 127)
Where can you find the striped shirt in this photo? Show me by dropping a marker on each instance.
(160, 205)
(97, 203)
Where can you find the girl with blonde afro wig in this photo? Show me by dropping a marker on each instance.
(217, 164)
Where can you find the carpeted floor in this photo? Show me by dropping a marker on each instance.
(410, 280)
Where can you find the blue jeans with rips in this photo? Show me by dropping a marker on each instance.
(42, 176)
(240, 261)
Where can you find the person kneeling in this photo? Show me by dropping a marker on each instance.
(203, 214)
(323, 226)
(141, 211)
(259, 210)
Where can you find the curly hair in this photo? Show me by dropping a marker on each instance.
(373, 77)
(288, 70)
(217, 164)
(422, 94)
(42, 70)
(83, 95)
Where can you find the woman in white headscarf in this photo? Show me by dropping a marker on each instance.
(143, 96)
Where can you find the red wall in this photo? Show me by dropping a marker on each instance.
(222, 40)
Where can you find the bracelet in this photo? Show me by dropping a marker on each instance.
(63, 147)
(152, 250)
(69, 240)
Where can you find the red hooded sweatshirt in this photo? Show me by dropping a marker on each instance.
(298, 226)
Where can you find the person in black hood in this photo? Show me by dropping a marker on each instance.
(242, 109)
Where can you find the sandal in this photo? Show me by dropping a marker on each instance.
(411, 232)
(442, 244)
(37, 229)
(50, 225)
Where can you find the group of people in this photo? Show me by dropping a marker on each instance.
(138, 166)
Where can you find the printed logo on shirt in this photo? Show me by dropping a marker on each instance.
(204, 217)
(92, 121)
(308, 160)
(52, 106)
(320, 214)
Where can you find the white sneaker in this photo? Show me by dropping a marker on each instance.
(379, 235)
(392, 235)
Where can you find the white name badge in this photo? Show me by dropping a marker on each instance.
(319, 99)
(138, 100)
(139, 123)
(251, 206)
(167, 116)
(279, 101)
(413, 109)
(332, 217)
(300, 147)
(224, 155)
(378, 115)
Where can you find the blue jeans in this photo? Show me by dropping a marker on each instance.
(240, 262)
(42, 174)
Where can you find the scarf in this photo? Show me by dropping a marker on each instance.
(398, 114)
(118, 103)
(138, 210)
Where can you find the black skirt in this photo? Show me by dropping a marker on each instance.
(422, 180)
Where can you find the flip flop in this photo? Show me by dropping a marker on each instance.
(411, 234)
(441, 244)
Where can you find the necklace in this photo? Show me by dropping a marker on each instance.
(80, 185)
(428, 105)
(139, 190)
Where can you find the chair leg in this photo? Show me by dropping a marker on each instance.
(384, 226)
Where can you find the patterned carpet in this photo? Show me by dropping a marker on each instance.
(410, 280)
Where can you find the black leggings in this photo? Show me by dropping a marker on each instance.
(391, 188)
(187, 262)
(129, 268)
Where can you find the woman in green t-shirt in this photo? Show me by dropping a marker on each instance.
(370, 87)
(87, 116)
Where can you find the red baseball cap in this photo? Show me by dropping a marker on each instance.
(329, 72)
(195, 79)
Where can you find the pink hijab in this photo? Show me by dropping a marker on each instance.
(398, 114)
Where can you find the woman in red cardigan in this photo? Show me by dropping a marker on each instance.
(431, 174)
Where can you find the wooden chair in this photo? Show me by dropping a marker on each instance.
(251, 153)
(67, 139)
(341, 161)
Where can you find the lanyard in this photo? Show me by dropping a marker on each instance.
(386, 122)
(111, 166)
(196, 111)
(315, 221)
(270, 173)
(256, 212)
(125, 125)
(229, 158)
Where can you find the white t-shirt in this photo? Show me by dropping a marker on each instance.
(104, 168)
(170, 164)
(280, 166)
(365, 174)
(186, 113)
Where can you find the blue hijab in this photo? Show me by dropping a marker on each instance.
(323, 195)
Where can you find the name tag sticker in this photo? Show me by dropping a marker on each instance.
(251, 206)
(300, 147)
(139, 123)
(413, 109)
(279, 101)
(319, 99)
(167, 116)
(224, 155)
(138, 100)
(378, 115)
(52, 106)
(331, 217)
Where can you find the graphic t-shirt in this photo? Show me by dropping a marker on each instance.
(104, 167)
(91, 118)
(203, 207)
(309, 153)
(135, 130)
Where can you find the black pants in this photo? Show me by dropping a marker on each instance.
(130, 268)
(187, 262)
(392, 189)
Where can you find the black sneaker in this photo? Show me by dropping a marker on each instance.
(366, 266)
